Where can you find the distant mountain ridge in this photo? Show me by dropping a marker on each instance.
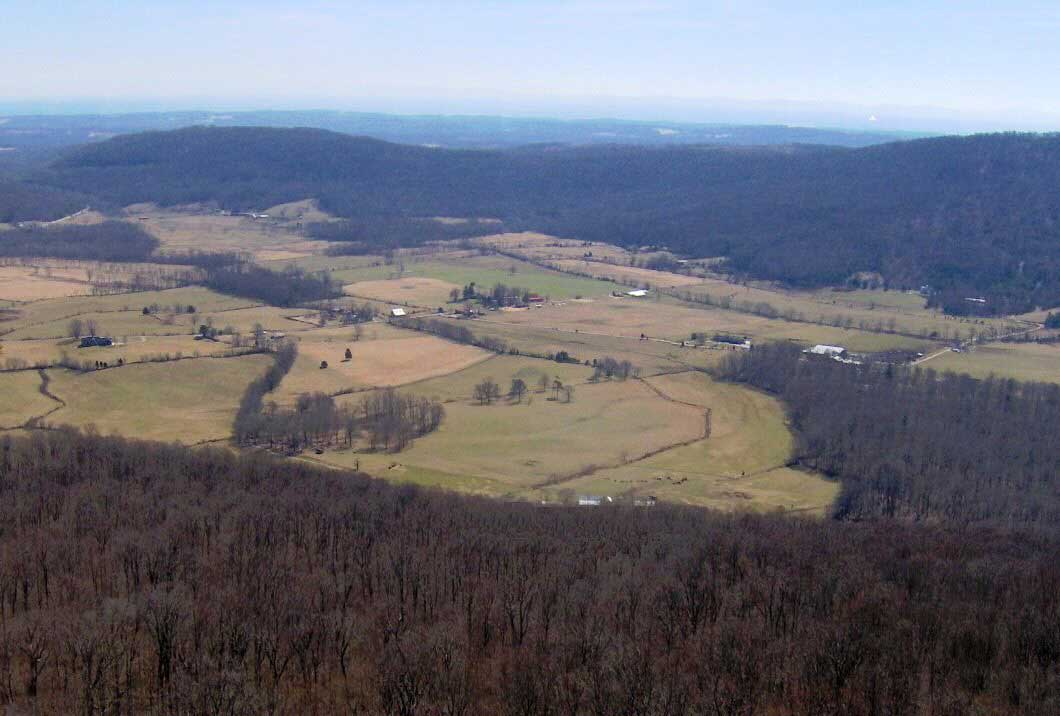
(969, 216)
(41, 132)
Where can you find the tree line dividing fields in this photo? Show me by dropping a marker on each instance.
(144, 577)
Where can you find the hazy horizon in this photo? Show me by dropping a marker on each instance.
(934, 66)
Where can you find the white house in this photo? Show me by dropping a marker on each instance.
(639, 293)
(397, 312)
(824, 350)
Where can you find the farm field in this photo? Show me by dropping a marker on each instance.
(187, 401)
(529, 444)
(22, 398)
(1022, 361)
(192, 229)
(26, 283)
(627, 275)
(384, 356)
(742, 464)
(48, 318)
(485, 272)
(630, 317)
(412, 291)
(137, 349)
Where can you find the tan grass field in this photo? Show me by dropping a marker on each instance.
(48, 318)
(623, 274)
(630, 317)
(397, 358)
(741, 466)
(188, 401)
(195, 230)
(413, 291)
(136, 349)
(22, 399)
(539, 440)
(18, 283)
(1022, 361)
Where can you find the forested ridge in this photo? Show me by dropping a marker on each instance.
(915, 444)
(969, 216)
(149, 578)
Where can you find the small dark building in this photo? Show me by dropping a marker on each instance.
(95, 342)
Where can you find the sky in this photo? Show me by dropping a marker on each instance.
(896, 64)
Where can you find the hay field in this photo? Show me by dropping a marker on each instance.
(630, 317)
(187, 401)
(22, 399)
(42, 319)
(26, 283)
(394, 358)
(458, 386)
(623, 274)
(412, 290)
(1022, 361)
(897, 310)
(741, 465)
(484, 271)
(136, 349)
(195, 229)
(542, 247)
(525, 444)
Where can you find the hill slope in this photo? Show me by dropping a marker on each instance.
(969, 216)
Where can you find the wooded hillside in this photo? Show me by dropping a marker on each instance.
(975, 216)
(149, 578)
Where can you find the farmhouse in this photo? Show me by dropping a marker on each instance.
(95, 342)
(638, 293)
(825, 350)
(397, 312)
(534, 298)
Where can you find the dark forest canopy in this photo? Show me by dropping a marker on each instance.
(973, 216)
(22, 201)
(107, 241)
(148, 578)
(915, 444)
(290, 287)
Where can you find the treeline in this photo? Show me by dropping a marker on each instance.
(375, 235)
(249, 420)
(20, 201)
(290, 287)
(386, 419)
(107, 241)
(453, 331)
(149, 578)
(915, 444)
(968, 217)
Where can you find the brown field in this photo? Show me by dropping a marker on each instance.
(630, 317)
(195, 230)
(134, 349)
(1022, 361)
(524, 445)
(25, 283)
(625, 274)
(304, 210)
(393, 357)
(48, 318)
(741, 465)
(542, 247)
(22, 399)
(414, 291)
(188, 401)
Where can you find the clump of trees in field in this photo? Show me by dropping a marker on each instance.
(453, 331)
(106, 241)
(917, 444)
(290, 287)
(1052, 320)
(144, 577)
(249, 421)
(608, 368)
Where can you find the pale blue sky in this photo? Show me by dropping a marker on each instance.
(997, 62)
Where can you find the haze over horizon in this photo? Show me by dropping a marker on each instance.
(934, 66)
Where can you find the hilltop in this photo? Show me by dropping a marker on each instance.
(971, 217)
